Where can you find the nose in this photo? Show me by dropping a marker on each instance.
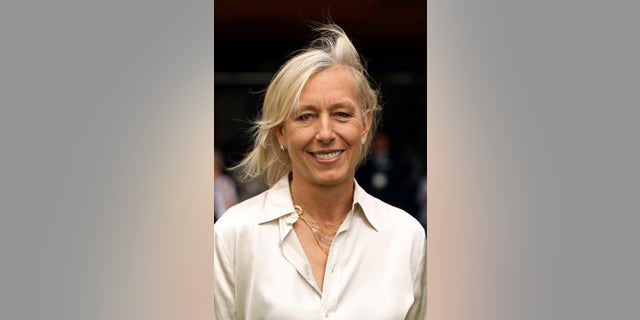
(325, 133)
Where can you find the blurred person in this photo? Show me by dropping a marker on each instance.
(414, 160)
(224, 188)
(388, 176)
(251, 187)
(315, 244)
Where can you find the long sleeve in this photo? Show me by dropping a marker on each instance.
(223, 278)
(418, 310)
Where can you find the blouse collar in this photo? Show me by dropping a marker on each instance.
(278, 203)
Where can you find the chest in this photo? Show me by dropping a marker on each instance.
(362, 278)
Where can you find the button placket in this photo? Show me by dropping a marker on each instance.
(293, 252)
(329, 296)
(338, 242)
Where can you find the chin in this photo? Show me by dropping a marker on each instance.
(333, 180)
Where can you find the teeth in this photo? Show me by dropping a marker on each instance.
(327, 156)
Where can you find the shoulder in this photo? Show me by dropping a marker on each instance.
(390, 219)
(240, 215)
(399, 230)
(266, 206)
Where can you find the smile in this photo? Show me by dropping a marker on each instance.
(326, 156)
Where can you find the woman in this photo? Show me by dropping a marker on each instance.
(316, 245)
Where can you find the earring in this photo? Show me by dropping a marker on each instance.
(282, 147)
(363, 140)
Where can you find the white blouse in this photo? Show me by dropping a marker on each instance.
(375, 268)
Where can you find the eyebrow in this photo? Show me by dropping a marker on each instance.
(345, 103)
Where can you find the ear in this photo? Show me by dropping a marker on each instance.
(366, 123)
(279, 132)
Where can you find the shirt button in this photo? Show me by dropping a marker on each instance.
(291, 219)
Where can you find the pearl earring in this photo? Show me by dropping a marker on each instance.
(282, 147)
(363, 140)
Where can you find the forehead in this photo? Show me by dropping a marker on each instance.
(332, 85)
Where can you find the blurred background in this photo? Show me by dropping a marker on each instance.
(254, 38)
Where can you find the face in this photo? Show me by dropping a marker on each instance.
(323, 137)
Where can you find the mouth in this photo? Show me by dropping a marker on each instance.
(326, 155)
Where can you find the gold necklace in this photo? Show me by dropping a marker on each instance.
(323, 239)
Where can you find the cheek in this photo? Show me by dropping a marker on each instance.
(298, 138)
(355, 131)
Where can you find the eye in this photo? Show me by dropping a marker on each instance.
(304, 117)
(343, 114)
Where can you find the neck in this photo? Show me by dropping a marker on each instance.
(323, 204)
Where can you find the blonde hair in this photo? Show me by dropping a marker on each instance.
(332, 48)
